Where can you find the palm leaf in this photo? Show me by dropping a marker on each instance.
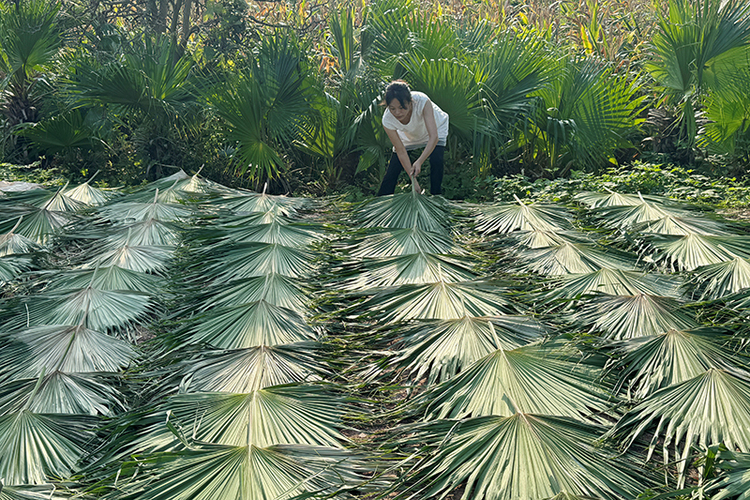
(150, 232)
(647, 364)
(105, 278)
(440, 349)
(508, 217)
(718, 280)
(404, 211)
(520, 457)
(88, 195)
(46, 492)
(574, 258)
(250, 325)
(35, 446)
(612, 282)
(136, 258)
(734, 480)
(543, 238)
(246, 260)
(528, 379)
(713, 407)
(277, 415)
(242, 473)
(395, 242)
(628, 216)
(683, 226)
(613, 199)
(13, 244)
(628, 316)
(132, 211)
(275, 289)
(62, 393)
(686, 253)
(438, 300)
(250, 202)
(274, 232)
(37, 224)
(65, 348)
(248, 370)
(415, 268)
(12, 267)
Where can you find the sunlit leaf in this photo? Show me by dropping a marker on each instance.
(686, 253)
(404, 211)
(509, 217)
(574, 258)
(395, 242)
(718, 280)
(415, 268)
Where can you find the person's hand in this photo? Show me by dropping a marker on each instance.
(416, 168)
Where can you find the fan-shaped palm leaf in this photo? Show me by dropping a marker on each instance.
(725, 278)
(13, 244)
(613, 199)
(734, 480)
(64, 348)
(277, 415)
(686, 253)
(625, 217)
(275, 232)
(248, 370)
(647, 364)
(395, 242)
(242, 473)
(87, 194)
(508, 217)
(63, 203)
(150, 232)
(520, 457)
(35, 446)
(46, 492)
(417, 268)
(628, 316)
(105, 278)
(406, 210)
(437, 301)
(131, 211)
(11, 267)
(574, 258)
(137, 258)
(37, 224)
(543, 238)
(529, 379)
(249, 325)
(713, 407)
(683, 226)
(62, 393)
(276, 289)
(612, 282)
(246, 260)
(251, 202)
(440, 349)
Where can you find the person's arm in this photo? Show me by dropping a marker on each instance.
(429, 122)
(403, 156)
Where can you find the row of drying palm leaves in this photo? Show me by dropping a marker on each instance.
(542, 360)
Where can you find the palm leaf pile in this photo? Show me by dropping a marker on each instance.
(189, 341)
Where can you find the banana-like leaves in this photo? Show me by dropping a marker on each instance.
(520, 457)
(255, 368)
(528, 379)
(713, 407)
(647, 364)
(627, 316)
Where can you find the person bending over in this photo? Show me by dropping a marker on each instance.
(413, 121)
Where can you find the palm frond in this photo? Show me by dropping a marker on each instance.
(37, 224)
(250, 325)
(35, 446)
(628, 216)
(682, 226)
(277, 232)
(248, 370)
(12, 244)
(628, 316)
(12, 266)
(72, 349)
(149, 232)
(25, 492)
(543, 238)
(88, 195)
(250, 203)
(438, 300)
(687, 253)
(520, 457)
(417, 268)
(574, 258)
(279, 290)
(136, 258)
(613, 199)
(246, 260)
(647, 364)
(438, 350)
(396, 242)
(132, 211)
(105, 278)
(713, 407)
(406, 210)
(528, 379)
(508, 217)
(612, 282)
(734, 479)
(718, 280)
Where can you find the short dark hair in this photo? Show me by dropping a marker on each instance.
(398, 89)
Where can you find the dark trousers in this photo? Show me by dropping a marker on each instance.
(388, 186)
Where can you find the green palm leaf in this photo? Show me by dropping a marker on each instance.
(543, 238)
(613, 199)
(438, 300)
(734, 480)
(509, 217)
(520, 457)
(686, 253)
(37, 224)
(63, 203)
(628, 316)
(647, 364)
(440, 349)
(415, 268)
(150, 232)
(404, 211)
(11, 267)
(612, 282)
(46, 492)
(718, 280)
(251, 203)
(249, 325)
(242, 473)
(64, 348)
(12, 243)
(246, 260)
(248, 370)
(35, 446)
(528, 379)
(62, 393)
(85, 193)
(136, 258)
(266, 417)
(574, 258)
(105, 278)
(132, 211)
(683, 226)
(275, 289)
(274, 232)
(625, 217)
(713, 407)
(395, 242)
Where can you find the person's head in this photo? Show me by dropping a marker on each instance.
(398, 98)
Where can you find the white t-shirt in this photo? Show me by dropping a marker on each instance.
(414, 134)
